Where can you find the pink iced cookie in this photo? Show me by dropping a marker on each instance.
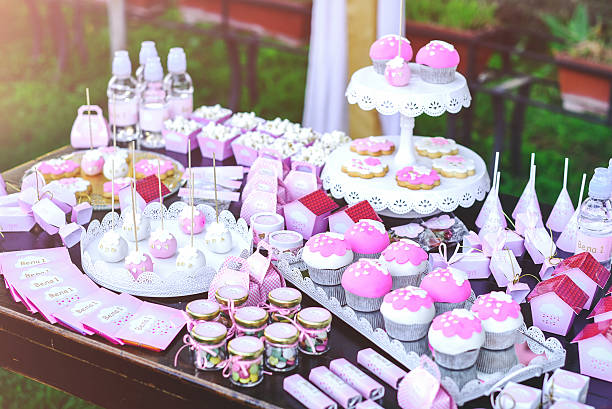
(387, 47)
(457, 322)
(367, 278)
(79, 186)
(138, 262)
(199, 221)
(120, 183)
(148, 167)
(405, 251)
(409, 298)
(436, 146)
(438, 54)
(397, 72)
(367, 168)
(92, 162)
(58, 168)
(162, 244)
(454, 166)
(417, 177)
(447, 285)
(367, 237)
(373, 145)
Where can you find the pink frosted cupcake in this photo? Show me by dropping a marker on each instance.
(162, 244)
(456, 338)
(448, 287)
(439, 61)
(367, 238)
(92, 162)
(327, 255)
(386, 48)
(407, 313)
(501, 318)
(406, 261)
(365, 283)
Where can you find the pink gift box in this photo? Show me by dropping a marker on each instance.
(179, 142)
(112, 317)
(15, 219)
(153, 327)
(221, 149)
(504, 267)
(475, 265)
(471, 241)
(566, 385)
(595, 350)
(539, 244)
(48, 215)
(518, 291)
(71, 234)
(81, 213)
(309, 214)
(11, 200)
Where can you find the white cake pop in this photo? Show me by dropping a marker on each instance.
(120, 164)
(190, 259)
(143, 226)
(218, 238)
(112, 247)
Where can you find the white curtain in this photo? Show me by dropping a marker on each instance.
(388, 22)
(325, 106)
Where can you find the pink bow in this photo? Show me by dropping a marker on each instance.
(493, 242)
(230, 310)
(193, 345)
(305, 334)
(236, 361)
(421, 389)
(443, 250)
(273, 309)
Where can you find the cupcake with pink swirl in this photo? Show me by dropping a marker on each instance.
(439, 61)
(456, 338)
(367, 238)
(449, 288)
(407, 313)
(327, 255)
(365, 283)
(406, 261)
(386, 48)
(501, 318)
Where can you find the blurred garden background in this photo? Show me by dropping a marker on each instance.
(40, 98)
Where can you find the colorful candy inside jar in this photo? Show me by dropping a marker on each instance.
(244, 367)
(314, 324)
(281, 342)
(201, 311)
(209, 340)
(230, 297)
(285, 302)
(251, 321)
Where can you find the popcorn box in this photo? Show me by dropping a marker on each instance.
(81, 213)
(224, 115)
(309, 214)
(566, 385)
(179, 142)
(244, 155)
(221, 149)
(595, 350)
(71, 234)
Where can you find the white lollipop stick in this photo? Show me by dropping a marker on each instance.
(565, 173)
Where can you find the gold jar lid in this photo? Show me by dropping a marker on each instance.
(246, 347)
(314, 318)
(281, 333)
(209, 332)
(251, 317)
(285, 297)
(232, 292)
(205, 310)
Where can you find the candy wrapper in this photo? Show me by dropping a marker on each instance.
(504, 266)
(334, 386)
(442, 229)
(421, 388)
(472, 262)
(306, 393)
(48, 215)
(412, 231)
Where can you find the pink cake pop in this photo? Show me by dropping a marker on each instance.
(162, 243)
(138, 262)
(92, 163)
(397, 72)
(199, 221)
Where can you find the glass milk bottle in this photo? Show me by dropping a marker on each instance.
(152, 106)
(595, 219)
(178, 85)
(147, 50)
(123, 99)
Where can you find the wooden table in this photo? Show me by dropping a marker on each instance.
(129, 377)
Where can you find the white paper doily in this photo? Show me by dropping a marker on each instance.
(165, 280)
(385, 194)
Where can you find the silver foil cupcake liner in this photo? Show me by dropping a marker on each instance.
(363, 304)
(326, 277)
(357, 256)
(379, 66)
(335, 291)
(406, 280)
(501, 340)
(458, 361)
(490, 362)
(375, 318)
(442, 307)
(437, 75)
(419, 347)
(460, 377)
(406, 332)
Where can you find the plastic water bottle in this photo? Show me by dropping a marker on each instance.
(595, 219)
(123, 99)
(152, 105)
(178, 84)
(147, 50)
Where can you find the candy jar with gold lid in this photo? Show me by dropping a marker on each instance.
(209, 340)
(250, 321)
(314, 323)
(281, 341)
(201, 311)
(284, 301)
(230, 297)
(245, 362)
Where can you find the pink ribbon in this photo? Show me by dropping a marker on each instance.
(242, 364)
(305, 334)
(273, 309)
(192, 322)
(443, 251)
(194, 345)
(230, 310)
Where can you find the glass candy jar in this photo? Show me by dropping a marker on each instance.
(251, 321)
(201, 311)
(230, 297)
(314, 323)
(284, 301)
(245, 362)
(281, 342)
(209, 345)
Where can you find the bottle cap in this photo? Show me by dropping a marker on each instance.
(147, 50)
(600, 186)
(177, 61)
(153, 70)
(122, 66)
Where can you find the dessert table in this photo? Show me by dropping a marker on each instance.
(129, 377)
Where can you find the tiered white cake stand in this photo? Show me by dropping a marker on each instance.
(370, 91)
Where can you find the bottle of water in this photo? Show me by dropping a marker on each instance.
(595, 219)
(178, 84)
(152, 105)
(122, 99)
(147, 50)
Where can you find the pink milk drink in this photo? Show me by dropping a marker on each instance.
(595, 219)
(123, 99)
(147, 50)
(152, 111)
(178, 85)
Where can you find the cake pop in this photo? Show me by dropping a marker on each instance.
(190, 219)
(118, 165)
(397, 71)
(112, 246)
(218, 238)
(162, 243)
(92, 163)
(136, 225)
